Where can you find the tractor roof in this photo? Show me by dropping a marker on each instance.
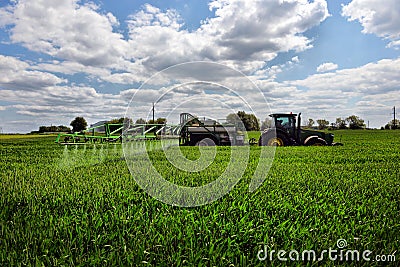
(278, 115)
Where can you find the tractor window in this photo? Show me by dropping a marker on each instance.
(282, 122)
(288, 123)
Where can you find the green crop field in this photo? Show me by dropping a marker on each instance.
(80, 206)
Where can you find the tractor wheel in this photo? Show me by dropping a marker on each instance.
(317, 142)
(206, 142)
(272, 140)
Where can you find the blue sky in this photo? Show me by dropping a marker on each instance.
(326, 59)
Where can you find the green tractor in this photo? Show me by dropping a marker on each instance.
(286, 132)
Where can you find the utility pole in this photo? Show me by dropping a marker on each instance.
(394, 118)
(153, 113)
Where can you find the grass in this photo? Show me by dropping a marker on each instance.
(23, 136)
(81, 206)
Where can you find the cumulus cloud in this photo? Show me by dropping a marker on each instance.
(295, 59)
(43, 95)
(373, 78)
(16, 74)
(67, 30)
(377, 17)
(153, 16)
(325, 67)
(258, 29)
(63, 103)
(243, 34)
(373, 86)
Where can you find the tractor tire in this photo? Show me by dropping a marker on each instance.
(316, 142)
(206, 142)
(269, 139)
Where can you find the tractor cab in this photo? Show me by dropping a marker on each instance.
(285, 130)
(285, 122)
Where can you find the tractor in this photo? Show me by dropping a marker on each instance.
(286, 132)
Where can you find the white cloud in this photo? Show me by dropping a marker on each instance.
(16, 74)
(66, 30)
(64, 103)
(44, 96)
(373, 78)
(325, 67)
(153, 16)
(370, 90)
(259, 29)
(243, 34)
(82, 38)
(377, 17)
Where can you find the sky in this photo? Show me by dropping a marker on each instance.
(108, 59)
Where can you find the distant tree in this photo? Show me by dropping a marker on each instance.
(63, 128)
(161, 121)
(310, 123)
(120, 120)
(158, 121)
(341, 123)
(393, 124)
(355, 122)
(140, 121)
(322, 124)
(42, 129)
(250, 121)
(232, 119)
(53, 129)
(128, 121)
(78, 124)
(243, 117)
(267, 123)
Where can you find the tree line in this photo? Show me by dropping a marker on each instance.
(80, 124)
(52, 129)
(351, 122)
(241, 119)
(251, 123)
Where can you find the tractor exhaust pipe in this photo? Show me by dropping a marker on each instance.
(298, 128)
